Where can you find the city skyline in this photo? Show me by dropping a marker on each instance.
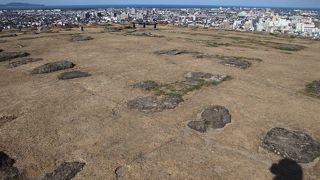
(265, 3)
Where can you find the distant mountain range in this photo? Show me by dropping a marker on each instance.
(9, 5)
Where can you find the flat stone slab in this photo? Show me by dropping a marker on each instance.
(179, 87)
(23, 62)
(144, 34)
(73, 75)
(81, 38)
(289, 47)
(294, 145)
(174, 52)
(314, 88)
(66, 171)
(215, 117)
(5, 56)
(7, 170)
(193, 81)
(208, 77)
(54, 66)
(155, 103)
(146, 85)
(199, 126)
(242, 64)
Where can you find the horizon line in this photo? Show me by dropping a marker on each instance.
(181, 5)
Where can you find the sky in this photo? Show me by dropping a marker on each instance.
(268, 3)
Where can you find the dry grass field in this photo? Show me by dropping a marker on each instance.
(87, 119)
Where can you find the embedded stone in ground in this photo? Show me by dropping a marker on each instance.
(73, 75)
(81, 38)
(65, 171)
(201, 76)
(203, 56)
(4, 56)
(174, 52)
(294, 145)
(54, 66)
(145, 34)
(121, 171)
(314, 88)
(146, 85)
(289, 47)
(242, 64)
(194, 81)
(179, 87)
(215, 117)
(7, 170)
(155, 103)
(6, 118)
(200, 126)
(23, 62)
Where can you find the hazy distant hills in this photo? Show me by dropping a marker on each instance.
(19, 5)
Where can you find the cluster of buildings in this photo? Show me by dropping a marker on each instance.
(290, 21)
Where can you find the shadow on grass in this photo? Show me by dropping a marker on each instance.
(287, 169)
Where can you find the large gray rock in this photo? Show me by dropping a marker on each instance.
(7, 170)
(5, 56)
(215, 117)
(54, 66)
(294, 145)
(155, 103)
(65, 171)
(73, 75)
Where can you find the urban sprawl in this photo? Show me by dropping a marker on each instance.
(289, 21)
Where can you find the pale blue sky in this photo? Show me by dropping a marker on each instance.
(276, 3)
